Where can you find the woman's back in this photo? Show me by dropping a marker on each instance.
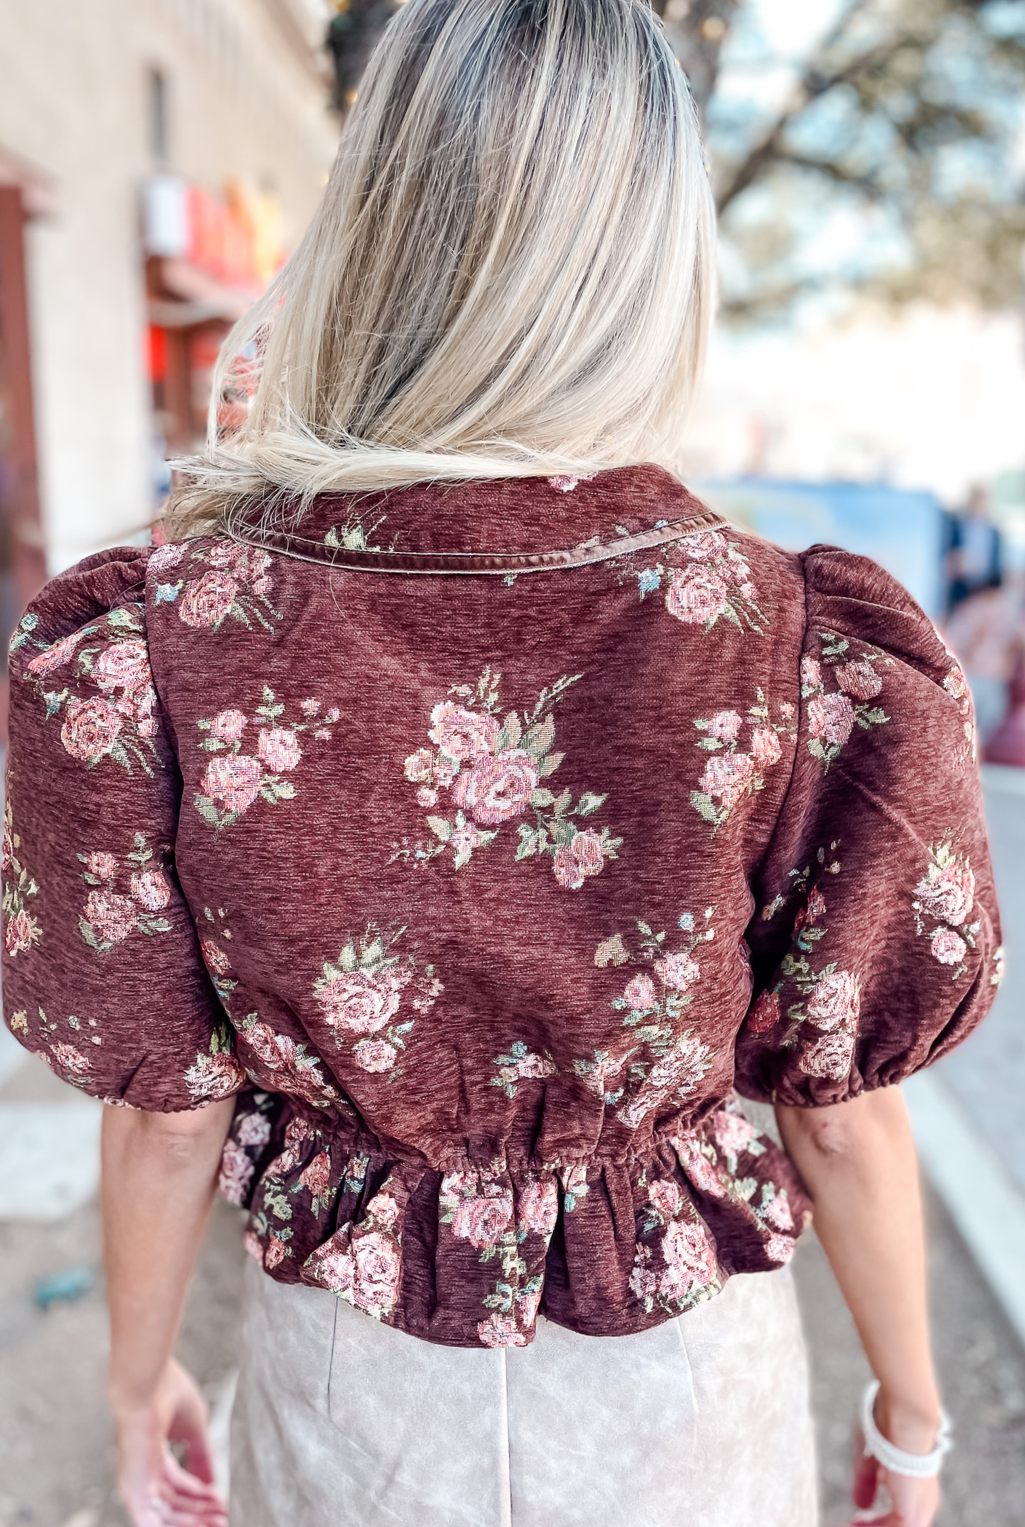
(484, 868)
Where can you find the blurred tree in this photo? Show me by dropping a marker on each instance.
(889, 159)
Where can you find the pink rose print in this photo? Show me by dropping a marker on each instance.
(766, 1013)
(728, 777)
(236, 1173)
(103, 866)
(725, 726)
(948, 893)
(316, 1177)
(689, 1257)
(279, 749)
(765, 748)
(56, 656)
(214, 1076)
(732, 1133)
(948, 947)
(208, 600)
(835, 1001)
(665, 1196)
(123, 665)
(215, 957)
(233, 781)
(675, 1074)
(830, 1056)
(91, 729)
(420, 766)
(228, 726)
(732, 773)
(497, 789)
(366, 1273)
(678, 971)
(832, 716)
(494, 771)
(112, 918)
(151, 890)
(165, 557)
(500, 1330)
(253, 1129)
(68, 1062)
(640, 992)
(289, 1065)
(780, 1248)
(697, 597)
(361, 1000)
(361, 994)
(777, 1212)
(482, 1220)
(375, 1055)
(22, 931)
(463, 734)
(699, 1170)
(575, 862)
(705, 546)
(538, 1206)
(277, 1251)
(859, 680)
(519, 1065)
(956, 686)
(831, 719)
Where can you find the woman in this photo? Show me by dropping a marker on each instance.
(453, 814)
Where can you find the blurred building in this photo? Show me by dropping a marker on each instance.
(158, 158)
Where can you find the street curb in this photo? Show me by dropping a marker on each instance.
(978, 1192)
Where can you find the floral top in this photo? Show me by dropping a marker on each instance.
(483, 872)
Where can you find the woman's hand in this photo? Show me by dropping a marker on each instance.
(154, 1486)
(912, 1502)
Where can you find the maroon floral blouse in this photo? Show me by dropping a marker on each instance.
(482, 840)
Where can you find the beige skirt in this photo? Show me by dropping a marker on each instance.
(701, 1422)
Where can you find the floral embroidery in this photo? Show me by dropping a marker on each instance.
(361, 994)
(663, 1061)
(118, 722)
(946, 897)
(519, 1065)
(713, 584)
(23, 931)
(356, 534)
(233, 780)
(288, 1064)
(689, 1271)
(109, 918)
(831, 997)
(711, 1161)
(237, 585)
(492, 771)
(732, 774)
(216, 1073)
(362, 1263)
(64, 1056)
(478, 1204)
(956, 686)
(832, 716)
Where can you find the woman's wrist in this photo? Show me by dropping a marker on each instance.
(911, 1423)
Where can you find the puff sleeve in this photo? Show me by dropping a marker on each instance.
(102, 971)
(875, 941)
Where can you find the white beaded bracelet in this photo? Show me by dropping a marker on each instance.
(914, 1465)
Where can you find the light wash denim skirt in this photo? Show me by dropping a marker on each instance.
(702, 1422)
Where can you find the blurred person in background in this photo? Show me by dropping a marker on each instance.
(974, 552)
(436, 830)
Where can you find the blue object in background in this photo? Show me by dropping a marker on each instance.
(71, 1284)
(899, 529)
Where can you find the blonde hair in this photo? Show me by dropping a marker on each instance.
(511, 273)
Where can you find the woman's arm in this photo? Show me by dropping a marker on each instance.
(159, 1175)
(858, 1161)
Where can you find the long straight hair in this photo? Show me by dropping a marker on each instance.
(511, 272)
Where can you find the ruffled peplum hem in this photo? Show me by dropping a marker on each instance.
(470, 1256)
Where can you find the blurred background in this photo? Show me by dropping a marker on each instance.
(159, 159)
